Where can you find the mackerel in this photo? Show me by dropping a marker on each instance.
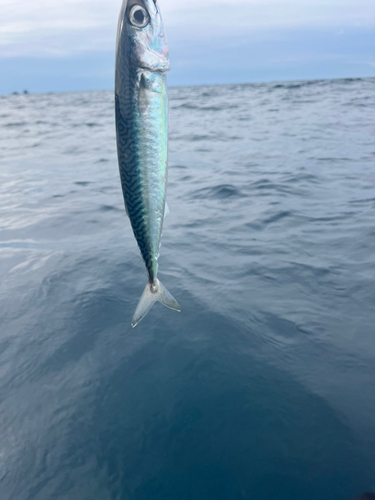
(141, 103)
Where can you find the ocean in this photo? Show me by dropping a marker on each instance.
(263, 387)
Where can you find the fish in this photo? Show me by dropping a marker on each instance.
(141, 116)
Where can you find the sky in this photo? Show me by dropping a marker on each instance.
(67, 45)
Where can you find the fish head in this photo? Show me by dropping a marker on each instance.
(141, 35)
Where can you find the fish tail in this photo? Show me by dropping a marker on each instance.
(154, 292)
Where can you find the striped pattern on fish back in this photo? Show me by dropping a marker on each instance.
(143, 179)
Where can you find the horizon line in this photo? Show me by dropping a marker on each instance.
(255, 82)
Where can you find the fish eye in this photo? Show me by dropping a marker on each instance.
(138, 16)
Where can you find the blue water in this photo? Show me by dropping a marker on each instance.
(263, 387)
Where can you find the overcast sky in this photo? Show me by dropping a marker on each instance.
(69, 44)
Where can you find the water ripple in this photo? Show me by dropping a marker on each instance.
(262, 388)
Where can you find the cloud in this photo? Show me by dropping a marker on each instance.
(47, 27)
(50, 28)
(69, 44)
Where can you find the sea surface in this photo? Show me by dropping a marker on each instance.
(263, 388)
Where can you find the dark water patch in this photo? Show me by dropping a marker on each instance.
(90, 306)
(197, 138)
(186, 106)
(205, 108)
(286, 86)
(303, 101)
(212, 137)
(109, 208)
(88, 124)
(232, 173)
(218, 108)
(15, 124)
(333, 160)
(356, 104)
(102, 160)
(277, 217)
(349, 81)
(313, 272)
(284, 332)
(363, 201)
(259, 271)
(220, 192)
(82, 183)
(266, 187)
(106, 189)
(301, 178)
(207, 457)
(333, 219)
(255, 226)
(301, 85)
(263, 184)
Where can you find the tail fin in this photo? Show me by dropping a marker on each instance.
(153, 293)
